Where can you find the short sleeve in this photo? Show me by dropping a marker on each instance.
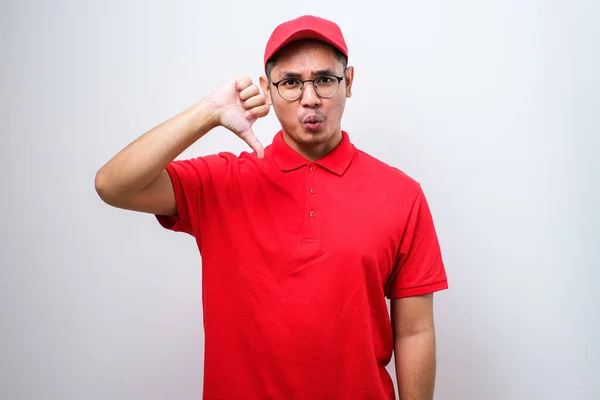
(419, 268)
(194, 181)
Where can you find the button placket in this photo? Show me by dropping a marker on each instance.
(312, 211)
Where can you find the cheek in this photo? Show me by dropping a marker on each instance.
(336, 108)
(286, 111)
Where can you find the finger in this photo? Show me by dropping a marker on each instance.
(252, 141)
(255, 101)
(249, 92)
(258, 112)
(242, 82)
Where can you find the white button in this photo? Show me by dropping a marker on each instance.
(313, 190)
(312, 214)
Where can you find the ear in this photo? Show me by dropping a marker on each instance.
(349, 80)
(266, 88)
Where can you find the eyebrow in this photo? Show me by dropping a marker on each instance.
(319, 72)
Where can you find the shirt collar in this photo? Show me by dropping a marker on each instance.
(337, 161)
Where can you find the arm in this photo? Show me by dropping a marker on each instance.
(414, 346)
(136, 178)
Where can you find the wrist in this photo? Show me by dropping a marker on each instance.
(206, 114)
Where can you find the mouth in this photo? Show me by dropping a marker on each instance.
(312, 122)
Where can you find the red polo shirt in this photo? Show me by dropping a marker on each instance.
(298, 258)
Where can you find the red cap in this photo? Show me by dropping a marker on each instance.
(305, 27)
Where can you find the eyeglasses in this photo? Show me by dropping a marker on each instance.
(291, 89)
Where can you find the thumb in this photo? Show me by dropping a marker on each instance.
(250, 138)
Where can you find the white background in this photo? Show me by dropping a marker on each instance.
(492, 105)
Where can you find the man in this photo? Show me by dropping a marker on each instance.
(301, 241)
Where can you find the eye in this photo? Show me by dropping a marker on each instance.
(325, 80)
(289, 83)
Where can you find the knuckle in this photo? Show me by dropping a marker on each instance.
(244, 81)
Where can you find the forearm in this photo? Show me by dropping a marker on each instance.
(140, 163)
(415, 362)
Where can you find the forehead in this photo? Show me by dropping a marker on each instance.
(306, 57)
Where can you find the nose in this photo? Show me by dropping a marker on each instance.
(309, 96)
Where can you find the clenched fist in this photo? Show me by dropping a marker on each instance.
(239, 103)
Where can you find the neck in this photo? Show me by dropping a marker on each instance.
(316, 151)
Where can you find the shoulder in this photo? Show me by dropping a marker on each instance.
(238, 169)
(223, 164)
(387, 177)
(224, 159)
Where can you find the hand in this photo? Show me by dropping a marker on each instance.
(238, 104)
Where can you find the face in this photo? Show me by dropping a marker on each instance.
(310, 123)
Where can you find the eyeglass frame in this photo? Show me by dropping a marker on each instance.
(339, 79)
